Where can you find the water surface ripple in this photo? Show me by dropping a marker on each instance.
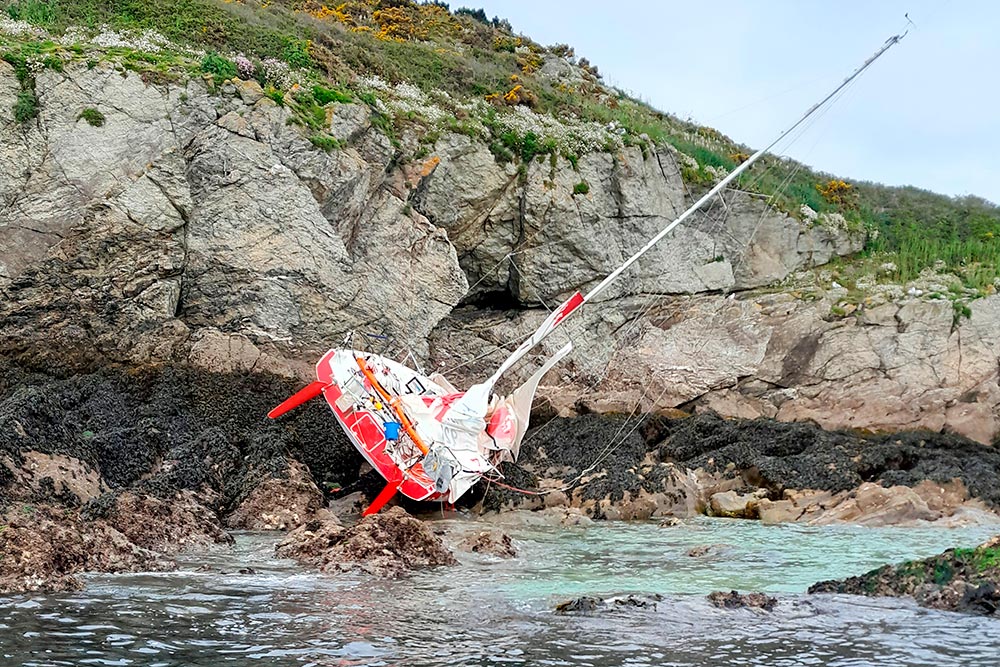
(489, 612)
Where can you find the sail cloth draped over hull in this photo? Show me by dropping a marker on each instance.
(428, 441)
(431, 442)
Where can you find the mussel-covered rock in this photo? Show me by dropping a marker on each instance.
(389, 544)
(964, 580)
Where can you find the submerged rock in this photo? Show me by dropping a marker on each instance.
(588, 604)
(737, 600)
(964, 580)
(706, 550)
(489, 542)
(389, 544)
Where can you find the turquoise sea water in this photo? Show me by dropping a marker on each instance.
(492, 612)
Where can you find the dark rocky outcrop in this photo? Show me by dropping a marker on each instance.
(166, 429)
(589, 604)
(154, 460)
(737, 600)
(964, 580)
(42, 548)
(779, 456)
(388, 544)
(639, 466)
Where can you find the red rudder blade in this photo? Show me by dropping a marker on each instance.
(307, 393)
(387, 493)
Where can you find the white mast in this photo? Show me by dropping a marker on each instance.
(892, 41)
(563, 311)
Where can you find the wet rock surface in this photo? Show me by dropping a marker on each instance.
(492, 543)
(589, 604)
(737, 600)
(161, 457)
(963, 580)
(389, 544)
(42, 548)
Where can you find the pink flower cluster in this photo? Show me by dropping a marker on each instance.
(244, 67)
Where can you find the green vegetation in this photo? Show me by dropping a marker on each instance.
(325, 142)
(276, 95)
(581, 188)
(219, 67)
(26, 106)
(470, 56)
(92, 116)
(324, 96)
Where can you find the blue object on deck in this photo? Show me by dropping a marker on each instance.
(392, 430)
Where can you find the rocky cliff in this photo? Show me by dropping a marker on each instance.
(198, 225)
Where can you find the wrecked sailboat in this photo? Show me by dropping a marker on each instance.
(432, 442)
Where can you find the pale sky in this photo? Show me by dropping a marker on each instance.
(925, 114)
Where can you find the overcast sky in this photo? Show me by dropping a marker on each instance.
(926, 114)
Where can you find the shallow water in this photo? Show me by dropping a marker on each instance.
(490, 612)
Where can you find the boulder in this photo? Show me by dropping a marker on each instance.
(52, 476)
(874, 505)
(279, 502)
(777, 511)
(389, 544)
(734, 505)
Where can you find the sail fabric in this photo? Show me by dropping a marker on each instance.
(508, 423)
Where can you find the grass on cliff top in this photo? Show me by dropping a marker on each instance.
(470, 56)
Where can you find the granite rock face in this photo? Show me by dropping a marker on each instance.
(907, 366)
(201, 228)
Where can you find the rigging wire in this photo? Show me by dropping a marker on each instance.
(621, 436)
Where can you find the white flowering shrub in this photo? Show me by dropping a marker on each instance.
(686, 161)
(570, 135)
(717, 173)
(9, 26)
(276, 72)
(148, 40)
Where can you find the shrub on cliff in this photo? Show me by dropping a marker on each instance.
(26, 106)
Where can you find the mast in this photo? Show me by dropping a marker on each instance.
(889, 43)
(557, 316)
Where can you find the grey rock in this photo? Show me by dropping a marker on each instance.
(348, 121)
